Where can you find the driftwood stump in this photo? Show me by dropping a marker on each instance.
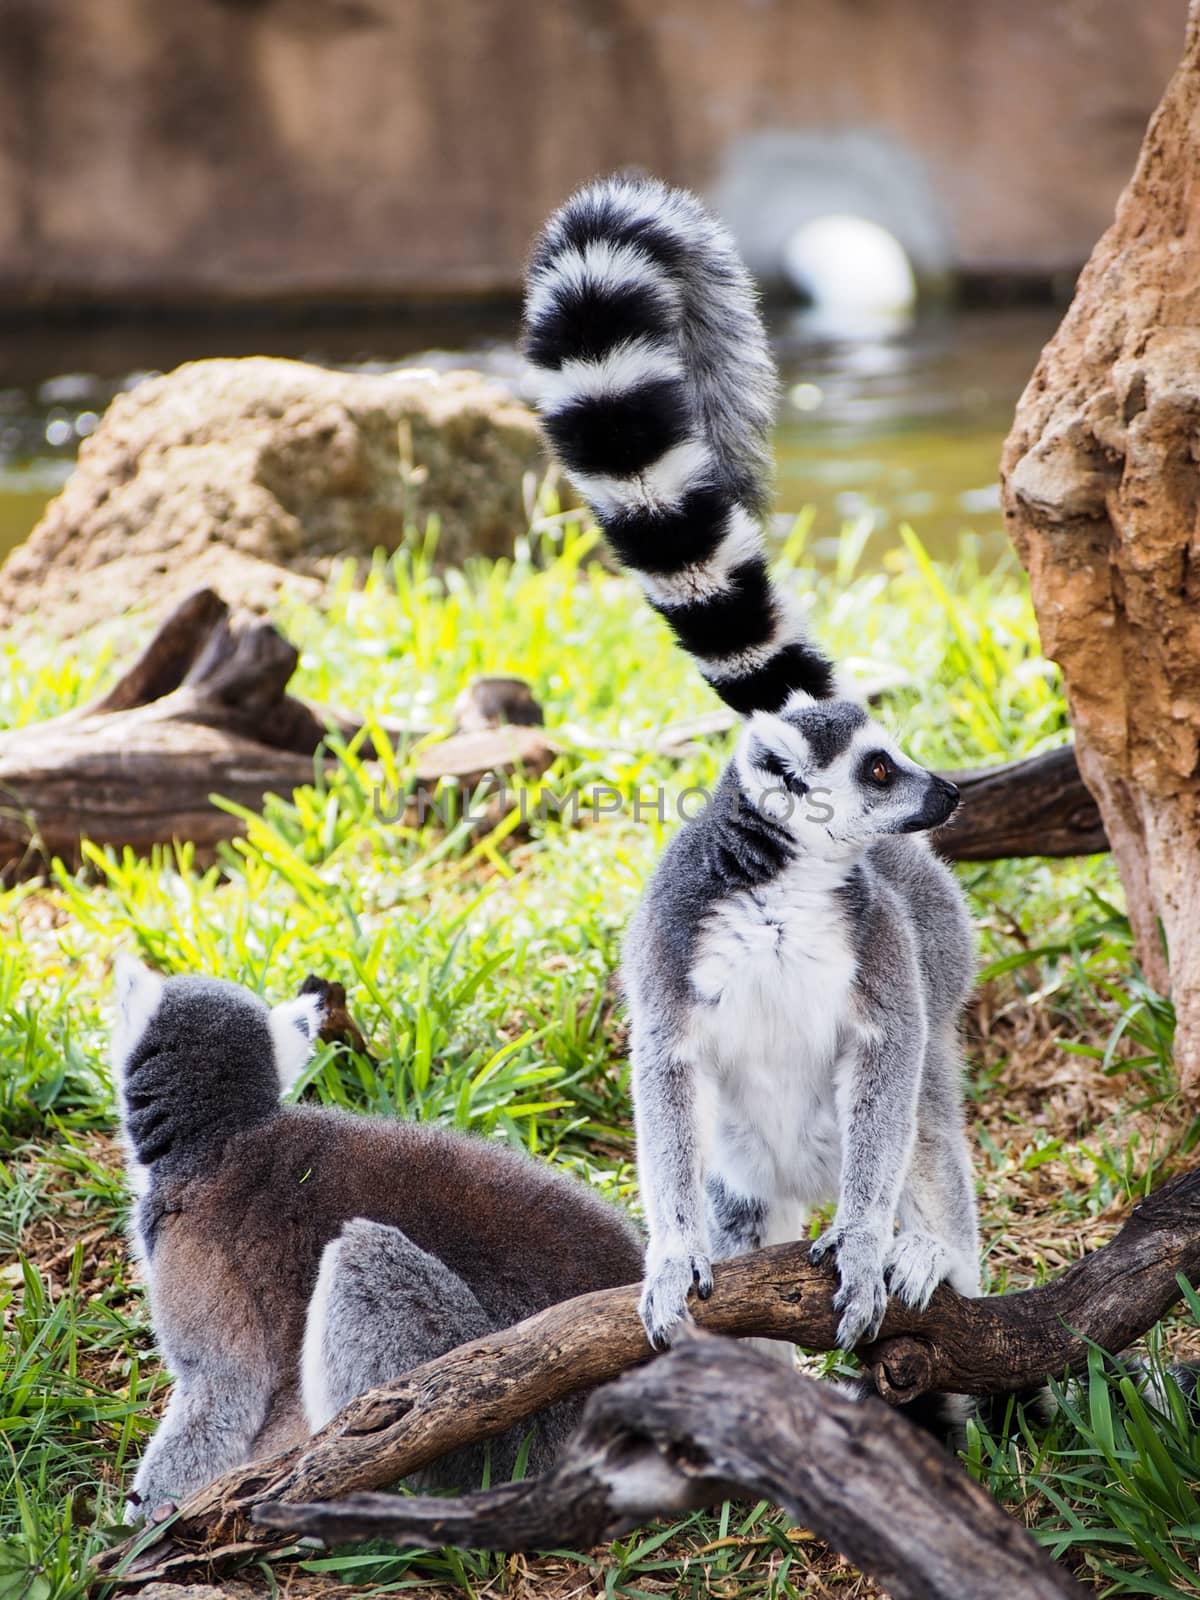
(203, 711)
(1101, 485)
(1036, 807)
(999, 1344)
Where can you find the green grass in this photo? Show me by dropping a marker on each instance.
(477, 961)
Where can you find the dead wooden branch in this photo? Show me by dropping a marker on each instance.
(711, 1419)
(1037, 807)
(999, 1344)
(204, 710)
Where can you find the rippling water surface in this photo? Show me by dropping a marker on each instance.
(891, 426)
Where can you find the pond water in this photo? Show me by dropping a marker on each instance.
(893, 426)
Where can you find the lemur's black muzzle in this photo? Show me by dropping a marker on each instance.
(937, 806)
(941, 803)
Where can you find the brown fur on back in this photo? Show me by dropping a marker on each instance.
(238, 1247)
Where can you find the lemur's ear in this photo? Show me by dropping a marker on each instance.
(294, 1028)
(138, 991)
(773, 730)
(798, 700)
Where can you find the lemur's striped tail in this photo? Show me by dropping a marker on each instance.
(657, 391)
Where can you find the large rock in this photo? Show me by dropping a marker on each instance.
(261, 149)
(241, 474)
(1101, 480)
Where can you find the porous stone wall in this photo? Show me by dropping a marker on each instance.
(1101, 485)
(259, 149)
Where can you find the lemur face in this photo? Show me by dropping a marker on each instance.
(209, 1027)
(835, 780)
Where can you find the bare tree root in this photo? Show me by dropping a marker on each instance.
(998, 1344)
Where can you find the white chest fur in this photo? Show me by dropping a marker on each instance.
(772, 980)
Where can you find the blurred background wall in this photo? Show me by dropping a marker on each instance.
(264, 150)
(356, 182)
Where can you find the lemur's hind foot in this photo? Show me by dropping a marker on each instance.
(381, 1306)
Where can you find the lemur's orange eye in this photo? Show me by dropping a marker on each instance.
(881, 771)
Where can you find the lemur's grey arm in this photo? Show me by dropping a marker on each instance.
(220, 1356)
(671, 1180)
(879, 1079)
(212, 1419)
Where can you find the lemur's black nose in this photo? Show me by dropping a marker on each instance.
(943, 801)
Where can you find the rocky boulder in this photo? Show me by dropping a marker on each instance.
(246, 474)
(1101, 483)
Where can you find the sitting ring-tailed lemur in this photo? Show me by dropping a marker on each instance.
(296, 1256)
(796, 971)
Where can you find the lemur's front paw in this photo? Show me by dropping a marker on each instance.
(916, 1264)
(140, 1508)
(669, 1278)
(862, 1295)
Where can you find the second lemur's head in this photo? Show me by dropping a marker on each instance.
(834, 780)
(201, 1051)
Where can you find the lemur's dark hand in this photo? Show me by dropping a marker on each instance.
(670, 1277)
(861, 1298)
(337, 1025)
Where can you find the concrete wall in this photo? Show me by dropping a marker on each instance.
(264, 149)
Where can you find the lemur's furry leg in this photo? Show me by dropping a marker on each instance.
(216, 1409)
(938, 1237)
(939, 1231)
(737, 1222)
(382, 1306)
(878, 1080)
(667, 1119)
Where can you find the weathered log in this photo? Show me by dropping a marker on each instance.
(204, 710)
(713, 1418)
(469, 758)
(1036, 807)
(1100, 479)
(998, 1344)
(497, 702)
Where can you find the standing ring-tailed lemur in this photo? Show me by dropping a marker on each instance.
(296, 1256)
(797, 968)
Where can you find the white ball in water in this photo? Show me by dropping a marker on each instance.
(849, 261)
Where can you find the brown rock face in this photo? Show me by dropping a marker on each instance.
(1101, 477)
(247, 473)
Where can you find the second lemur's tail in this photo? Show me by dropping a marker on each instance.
(656, 390)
